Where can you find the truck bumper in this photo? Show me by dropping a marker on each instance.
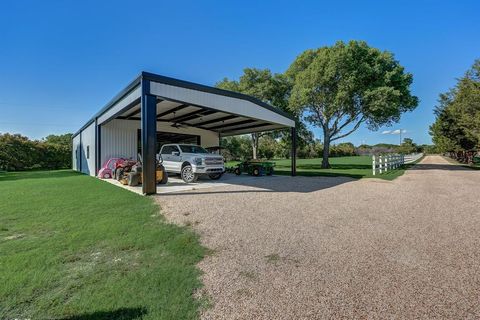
(208, 169)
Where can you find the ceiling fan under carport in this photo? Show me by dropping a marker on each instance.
(177, 125)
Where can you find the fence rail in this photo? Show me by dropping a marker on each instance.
(409, 158)
(387, 162)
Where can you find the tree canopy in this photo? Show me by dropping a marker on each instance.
(340, 87)
(270, 88)
(18, 152)
(457, 124)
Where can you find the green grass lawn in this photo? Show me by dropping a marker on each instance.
(75, 247)
(354, 167)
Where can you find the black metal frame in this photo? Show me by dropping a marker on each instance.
(80, 151)
(253, 126)
(224, 127)
(133, 113)
(199, 87)
(98, 143)
(149, 138)
(192, 115)
(177, 108)
(203, 123)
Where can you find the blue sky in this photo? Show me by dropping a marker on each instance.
(61, 61)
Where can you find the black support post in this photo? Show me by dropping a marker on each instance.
(294, 152)
(98, 144)
(149, 138)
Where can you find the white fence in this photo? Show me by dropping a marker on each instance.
(388, 162)
(409, 158)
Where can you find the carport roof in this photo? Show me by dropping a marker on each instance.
(206, 107)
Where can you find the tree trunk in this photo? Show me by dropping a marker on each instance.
(326, 149)
(255, 137)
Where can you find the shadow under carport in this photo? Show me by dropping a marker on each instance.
(250, 184)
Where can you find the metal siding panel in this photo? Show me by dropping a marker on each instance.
(119, 137)
(135, 94)
(222, 103)
(88, 142)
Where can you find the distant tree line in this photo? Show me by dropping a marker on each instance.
(456, 129)
(18, 152)
(240, 148)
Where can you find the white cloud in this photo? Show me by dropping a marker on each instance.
(394, 131)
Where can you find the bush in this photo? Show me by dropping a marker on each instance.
(18, 152)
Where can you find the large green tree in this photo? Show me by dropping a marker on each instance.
(408, 146)
(270, 88)
(338, 88)
(457, 124)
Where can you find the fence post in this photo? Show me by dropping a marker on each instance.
(373, 164)
(386, 163)
(380, 164)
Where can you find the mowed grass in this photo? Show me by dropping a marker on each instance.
(355, 167)
(75, 247)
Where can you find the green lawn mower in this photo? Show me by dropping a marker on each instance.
(254, 167)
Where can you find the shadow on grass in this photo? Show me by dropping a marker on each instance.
(321, 174)
(34, 174)
(433, 166)
(119, 314)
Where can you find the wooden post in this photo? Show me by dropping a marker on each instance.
(374, 165)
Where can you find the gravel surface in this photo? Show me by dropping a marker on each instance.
(314, 248)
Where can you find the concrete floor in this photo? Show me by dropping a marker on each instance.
(175, 184)
(330, 248)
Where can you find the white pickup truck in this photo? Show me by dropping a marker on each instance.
(190, 161)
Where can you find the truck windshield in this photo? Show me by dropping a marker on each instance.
(192, 149)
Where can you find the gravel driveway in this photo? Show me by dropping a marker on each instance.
(314, 248)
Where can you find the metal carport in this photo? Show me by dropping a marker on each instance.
(154, 101)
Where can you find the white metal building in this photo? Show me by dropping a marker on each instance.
(153, 110)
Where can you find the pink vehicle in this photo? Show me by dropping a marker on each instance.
(106, 172)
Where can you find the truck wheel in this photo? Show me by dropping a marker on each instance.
(215, 176)
(237, 171)
(188, 175)
(256, 172)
